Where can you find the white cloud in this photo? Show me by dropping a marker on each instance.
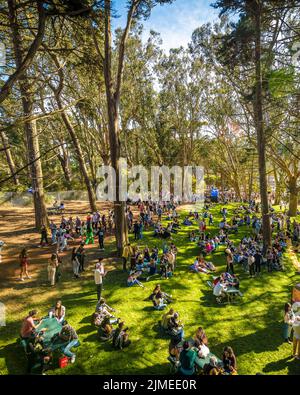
(175, 22)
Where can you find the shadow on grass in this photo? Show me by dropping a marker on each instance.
(267, 339)
(291, 363)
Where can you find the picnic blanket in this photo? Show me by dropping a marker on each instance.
(52, 327)
(200, 362)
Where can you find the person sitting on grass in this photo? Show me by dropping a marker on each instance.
(219, 290)
(187, 222)
(58, 311)
(192, 236)
(37, 353)
(157, 292)
(212, 368)
(201, 348)
(68, 334)
(106, 310)
(121, 337)
(29, 325)
(175, 327)
(174, 351)
(187, 360)
(229, 361)
(201, 336)
(166, 319)
(105, 330)
(133, 279)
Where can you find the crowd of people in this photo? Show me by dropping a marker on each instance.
(145, 264)
(32, 333)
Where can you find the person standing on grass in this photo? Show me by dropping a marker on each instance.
(44, 236)
(127, 252)
(89, 235)
(53, 229)
(289, 319)
(136, 229)
(52, 266)
(100, 234)
(296, 338)
(23, 258)
(98, 276)
(258, 260)
(80, 252)
(251, 261)
(75, 263)
(229, 260)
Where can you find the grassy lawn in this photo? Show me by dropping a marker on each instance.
(253, 328)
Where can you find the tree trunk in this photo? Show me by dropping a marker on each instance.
(64, 160)
(79, 154)
(36, 174)
(113, 128)
(251, 179)
(261, 138)
(9, 158)
(278, 188)
(293, 203)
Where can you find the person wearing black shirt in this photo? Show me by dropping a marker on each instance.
(258, 259)
(100, 235)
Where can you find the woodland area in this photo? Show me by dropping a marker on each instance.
(74, 94)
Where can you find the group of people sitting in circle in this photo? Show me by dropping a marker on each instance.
(146, 264)
(104, 320)
(36, 350)
(184, 355)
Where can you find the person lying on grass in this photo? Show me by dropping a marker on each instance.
(202, 266)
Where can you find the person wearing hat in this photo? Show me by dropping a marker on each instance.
(187, 360)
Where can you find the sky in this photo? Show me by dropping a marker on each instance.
(175, 22)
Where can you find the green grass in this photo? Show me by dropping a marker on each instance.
(253, 328)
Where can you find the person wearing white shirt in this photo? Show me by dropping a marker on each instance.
(98, 276)
(219, 289)
(296, 338)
